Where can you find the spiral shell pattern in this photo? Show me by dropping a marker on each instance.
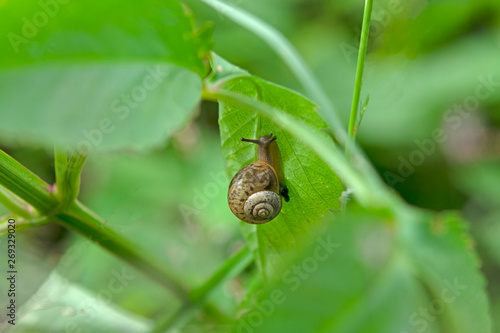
(253, 193)
(262, 206)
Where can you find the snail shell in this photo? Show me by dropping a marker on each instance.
(253, 193)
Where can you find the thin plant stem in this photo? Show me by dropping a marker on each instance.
(13, 203)
(22, 223)
(61, 163)
(68, 176)
(83, 221)
(26, 185)
(358, 82)
(232, 267)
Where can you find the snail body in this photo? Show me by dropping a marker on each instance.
(255, 192)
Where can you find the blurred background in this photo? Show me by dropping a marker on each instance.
(431, 128)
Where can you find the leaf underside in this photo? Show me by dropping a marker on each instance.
(313, 188)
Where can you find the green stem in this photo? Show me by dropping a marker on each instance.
(26, 185)
(61, 163)
(68, 176)
(15, 204)
(358, 82)
(22, 223)
(80, 219)
(231, 267)
(77, 217)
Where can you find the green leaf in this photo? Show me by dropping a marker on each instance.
(96, 106)
(480, 181)
(38, 32)
(442, 253)
(102, 76)
(62, 306)
(223, 70)
(313, 188)
(364, 274)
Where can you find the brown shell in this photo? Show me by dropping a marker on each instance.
(255, 177)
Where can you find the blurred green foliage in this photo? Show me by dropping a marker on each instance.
(358, 275)
(99, 70)
(424, 58)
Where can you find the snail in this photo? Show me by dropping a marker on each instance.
(255, 192)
